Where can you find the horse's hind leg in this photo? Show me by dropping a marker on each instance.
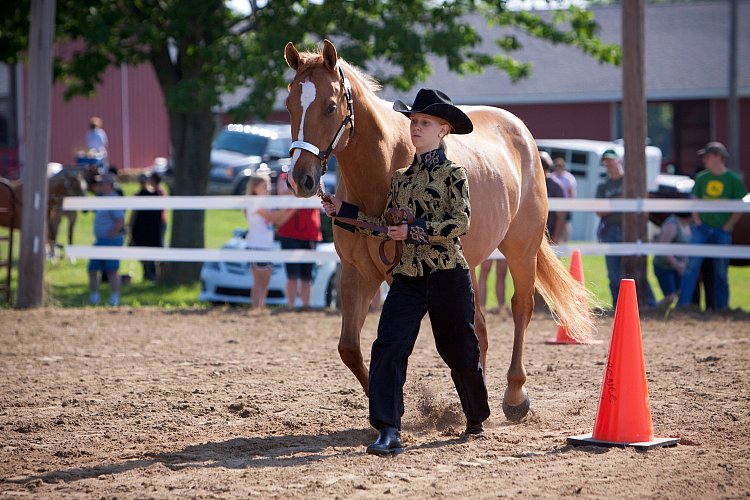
(522, 265)
(71, 225)
(53, 225)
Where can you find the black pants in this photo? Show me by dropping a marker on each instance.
(447, 296)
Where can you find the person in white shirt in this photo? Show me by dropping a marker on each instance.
(97, 142)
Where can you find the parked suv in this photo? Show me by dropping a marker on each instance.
(238, 151)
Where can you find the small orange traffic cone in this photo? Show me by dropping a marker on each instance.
(624, 414)
(576, 270)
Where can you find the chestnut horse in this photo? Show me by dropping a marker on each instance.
(333, 105)
(10, 203)
(67, 182)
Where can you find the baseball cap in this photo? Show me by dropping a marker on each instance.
(714, 147)
(610, 154)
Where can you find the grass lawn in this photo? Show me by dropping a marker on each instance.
(67, 282)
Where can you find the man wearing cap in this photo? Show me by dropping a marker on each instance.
(610, 224)
(109, 230)
(716, 182)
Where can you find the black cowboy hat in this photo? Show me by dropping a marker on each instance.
(435, 103)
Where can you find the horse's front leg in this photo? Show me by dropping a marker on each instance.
(355, 296)
(480, 325)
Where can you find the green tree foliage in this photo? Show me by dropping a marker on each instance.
(201, 50)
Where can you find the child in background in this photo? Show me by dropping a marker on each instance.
(260, 234)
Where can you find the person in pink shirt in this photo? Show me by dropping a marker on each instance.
(569, 184)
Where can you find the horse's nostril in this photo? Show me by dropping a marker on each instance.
(309, 183)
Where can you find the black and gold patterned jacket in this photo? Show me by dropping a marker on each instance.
(437, 192)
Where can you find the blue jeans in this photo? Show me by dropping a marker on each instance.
(703, 234)
(669, 280)
(106, 265)
(614, 262)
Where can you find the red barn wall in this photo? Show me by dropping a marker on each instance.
(131, 106)
(566, 121)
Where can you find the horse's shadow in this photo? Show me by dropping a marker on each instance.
(236, 453)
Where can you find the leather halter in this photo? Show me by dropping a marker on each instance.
(348, 119)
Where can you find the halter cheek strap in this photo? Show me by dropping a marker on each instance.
(348, 120)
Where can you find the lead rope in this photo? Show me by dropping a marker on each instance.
(393, 216)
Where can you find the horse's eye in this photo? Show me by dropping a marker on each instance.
(331, 109)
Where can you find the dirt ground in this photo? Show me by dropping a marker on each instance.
(174, 403)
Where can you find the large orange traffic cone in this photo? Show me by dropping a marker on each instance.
(576, 271)
(624, 414)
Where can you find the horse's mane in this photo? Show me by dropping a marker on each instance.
(308, 60)
(368, 82)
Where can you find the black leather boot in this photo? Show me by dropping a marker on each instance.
(473, 431)
(388, 442)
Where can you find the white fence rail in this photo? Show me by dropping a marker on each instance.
(245, 202)
(254, 202)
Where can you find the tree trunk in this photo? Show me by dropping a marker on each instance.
(34, 192)
(191, 133)
(634, 127)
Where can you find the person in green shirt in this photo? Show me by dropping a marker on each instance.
(610, 223)
(716, 182)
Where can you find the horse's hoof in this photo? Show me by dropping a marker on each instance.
(516, 413)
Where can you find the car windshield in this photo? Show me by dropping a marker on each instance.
(240, 142)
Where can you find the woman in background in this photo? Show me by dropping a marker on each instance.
(299, 231)
(670, 268)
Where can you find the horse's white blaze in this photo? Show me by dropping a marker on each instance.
(306, 99)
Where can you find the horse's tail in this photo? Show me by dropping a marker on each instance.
(567, 298)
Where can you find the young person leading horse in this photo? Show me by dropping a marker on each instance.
(334, 110)
(432, 275)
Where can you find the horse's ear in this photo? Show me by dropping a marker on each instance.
(329, 54)
(291, 55)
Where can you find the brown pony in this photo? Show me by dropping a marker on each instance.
(67, 182)
(506, 184)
